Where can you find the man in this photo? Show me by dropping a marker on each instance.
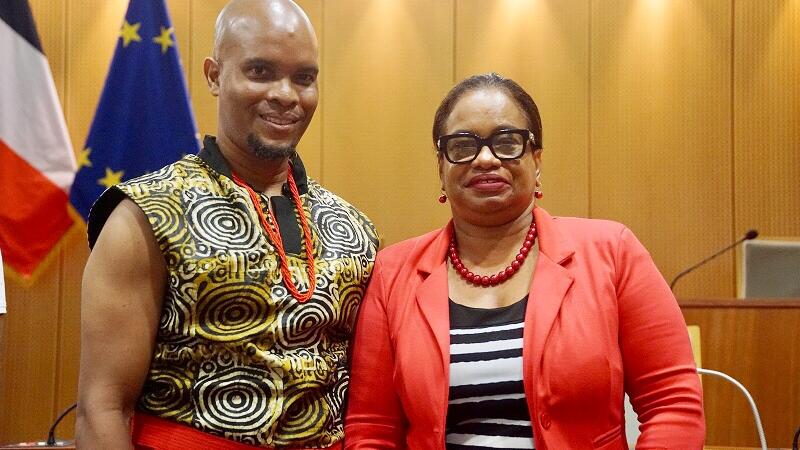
(210, 306)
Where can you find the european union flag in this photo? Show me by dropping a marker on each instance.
(144, 120)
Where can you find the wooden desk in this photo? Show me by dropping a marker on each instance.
(756, 341)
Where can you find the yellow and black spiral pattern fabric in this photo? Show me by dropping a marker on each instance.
(236, 355)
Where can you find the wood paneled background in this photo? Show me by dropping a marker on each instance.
(679, 118)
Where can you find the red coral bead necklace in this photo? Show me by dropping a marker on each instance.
(503, 275)
(275, 236)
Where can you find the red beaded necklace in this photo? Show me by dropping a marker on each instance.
(503, 275)
(275, 235)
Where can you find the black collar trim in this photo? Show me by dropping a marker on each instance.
(211, 155)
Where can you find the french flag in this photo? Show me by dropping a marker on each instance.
(37, 164)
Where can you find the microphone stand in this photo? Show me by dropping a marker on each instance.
(752, 234)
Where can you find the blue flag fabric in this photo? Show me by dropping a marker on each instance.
(144, 120)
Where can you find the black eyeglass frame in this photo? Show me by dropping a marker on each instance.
(527, 135)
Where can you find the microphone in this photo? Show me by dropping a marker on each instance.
(751, 234)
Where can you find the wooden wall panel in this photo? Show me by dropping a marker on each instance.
(30, 356)
(661, 132)
(386, 66)
(544, 46)
(766, 117)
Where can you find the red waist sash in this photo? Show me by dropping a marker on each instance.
(154, 433)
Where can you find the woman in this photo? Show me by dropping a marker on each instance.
(564, 316)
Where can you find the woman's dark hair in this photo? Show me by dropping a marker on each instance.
(489, 80)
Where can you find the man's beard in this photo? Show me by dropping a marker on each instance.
(270, 152)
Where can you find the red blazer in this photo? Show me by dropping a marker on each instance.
(600, 321)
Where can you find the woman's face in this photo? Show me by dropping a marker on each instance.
(488, 191)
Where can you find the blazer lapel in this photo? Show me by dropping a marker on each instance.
(551, 282)
(432, 294)
(550, 286)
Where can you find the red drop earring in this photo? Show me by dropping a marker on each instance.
(537, 189)
(443, 198)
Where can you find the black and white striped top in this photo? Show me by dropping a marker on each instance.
(487, 407)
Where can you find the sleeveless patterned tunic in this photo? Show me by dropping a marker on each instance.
(236, 355)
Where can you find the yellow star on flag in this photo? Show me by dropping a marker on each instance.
(130, 33)
(164, 39)
(83, 158)
(111, 178)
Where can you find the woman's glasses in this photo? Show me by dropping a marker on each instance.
(462, 148)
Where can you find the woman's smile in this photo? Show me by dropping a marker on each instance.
(488, 183)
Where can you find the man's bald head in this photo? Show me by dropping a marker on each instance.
(264, 74)
(241, 16)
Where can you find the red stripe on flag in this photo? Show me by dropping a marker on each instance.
(34, 213)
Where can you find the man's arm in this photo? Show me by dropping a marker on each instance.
(122, 294)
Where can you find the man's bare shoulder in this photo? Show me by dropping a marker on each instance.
(126, 243)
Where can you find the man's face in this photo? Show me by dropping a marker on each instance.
(267, 84)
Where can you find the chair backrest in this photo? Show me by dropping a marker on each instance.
(770, 268)
(694, 340)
